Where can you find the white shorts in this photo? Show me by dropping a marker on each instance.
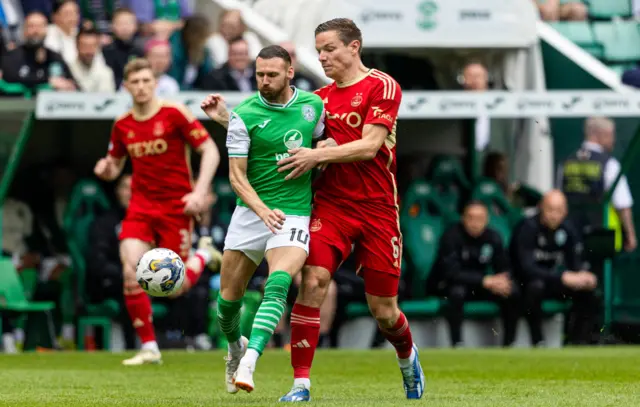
(248, 233)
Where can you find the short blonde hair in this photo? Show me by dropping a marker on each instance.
(595, 124)
(135, 65)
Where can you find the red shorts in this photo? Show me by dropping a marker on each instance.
(172, 232)
(375, 231)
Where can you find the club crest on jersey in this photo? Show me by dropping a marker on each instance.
(158, 129)
(316, 225)
(308, 113)
(130, 134)
(293, 139)
(356, 100)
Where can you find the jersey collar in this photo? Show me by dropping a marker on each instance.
(280, 105)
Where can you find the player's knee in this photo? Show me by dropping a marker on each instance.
(385, 310)
(314, 287)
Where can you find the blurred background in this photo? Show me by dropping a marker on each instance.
(497, 95)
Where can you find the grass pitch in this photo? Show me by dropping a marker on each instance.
(579, 377)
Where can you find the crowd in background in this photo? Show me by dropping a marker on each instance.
(83, 46)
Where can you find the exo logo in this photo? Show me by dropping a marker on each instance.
(353, 119)
(145, 148)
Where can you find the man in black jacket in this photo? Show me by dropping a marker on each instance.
(124, 45)
(104, 279)
(468, 252)
(546, 254)
(238, 74)
(33, 65)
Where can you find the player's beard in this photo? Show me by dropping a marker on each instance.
(272, 95)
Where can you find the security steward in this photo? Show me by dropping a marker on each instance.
(469, 251)
(546, 258)
(587, 175)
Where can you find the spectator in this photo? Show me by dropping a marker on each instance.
(237, 74)
(475, 78)
(468, 252)
(231, 26)
(61, 35)
(158, 52)
(584, 187)
(555, 10)
(300, 80)
(100, 15)
(160, 18)
(124, 46)
(104, 269)
(191, 60)
(90, 72)
(546, 255)
(32, 64)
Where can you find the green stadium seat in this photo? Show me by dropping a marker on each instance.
(579, 32)
(619, 39)
(606, 9)
(448, 177)
(429, 307)
(13, 299)
(423, 218)
(595, 50)
(480, 309)
(502, 216)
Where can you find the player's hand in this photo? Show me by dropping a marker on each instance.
(194, 203)
(105, 170)
(300, 160)
(324, 144)
(274, 219)
(215, 107)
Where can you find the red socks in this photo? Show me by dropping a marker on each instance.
(139, 308)
(191, 275)
(305, 331)
(399, 335)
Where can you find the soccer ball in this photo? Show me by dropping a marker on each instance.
(160, 272)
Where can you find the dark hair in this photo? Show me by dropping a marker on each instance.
(347, 30)
(491, 162)
(194, 34)
(87, 31)
(275, 51)
(57, 5)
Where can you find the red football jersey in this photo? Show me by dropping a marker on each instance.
(159, 148)
(374, 99)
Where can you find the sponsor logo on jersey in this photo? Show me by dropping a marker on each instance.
(308, 113)
(158, 129)
(316, 225)
(146, 148)
(356, 100)
(353, 119)
(293, 139)
(377, 112)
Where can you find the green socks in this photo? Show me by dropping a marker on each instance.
(229, 318)
(270, 311)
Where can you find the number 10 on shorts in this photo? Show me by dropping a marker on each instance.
(300, 235)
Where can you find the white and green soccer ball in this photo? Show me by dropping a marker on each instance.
(160, 272)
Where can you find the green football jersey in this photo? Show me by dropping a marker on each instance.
(263, 132)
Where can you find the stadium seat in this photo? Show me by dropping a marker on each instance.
(449, 178)
(620, 40)
(606, 9)
(422, 229)
(13, 299)
(579, 32)
(502, 216)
